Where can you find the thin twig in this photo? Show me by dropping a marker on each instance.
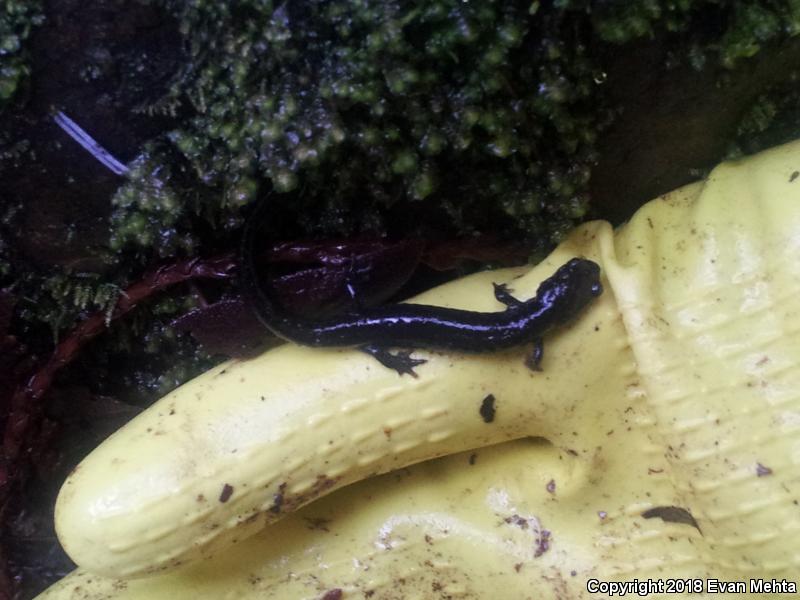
(24, 408)
(75, 131)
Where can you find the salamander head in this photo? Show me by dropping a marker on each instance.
(571, 288)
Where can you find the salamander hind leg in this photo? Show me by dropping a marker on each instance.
(502, 294)
(399, 361)
(534, 360)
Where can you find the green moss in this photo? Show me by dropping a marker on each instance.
(58, 300)
(17, 20)
(754, 24)
(346, 108)
(730, 30)
(772, 119)
(480, 115)
(155, 357)
(148, 208)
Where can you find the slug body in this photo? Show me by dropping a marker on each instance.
(558, 299)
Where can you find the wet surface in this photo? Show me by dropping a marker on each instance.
(102, 62)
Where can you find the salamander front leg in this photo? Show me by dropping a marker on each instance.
(534, 360)
(400, 361)
(502, 294)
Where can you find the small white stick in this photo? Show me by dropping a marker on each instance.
(74, 131)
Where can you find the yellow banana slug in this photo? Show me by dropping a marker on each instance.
(670, 410)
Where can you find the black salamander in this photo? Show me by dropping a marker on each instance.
(558, 299)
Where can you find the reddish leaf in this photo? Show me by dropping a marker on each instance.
(25, 433)
(443, 256)
(374, 269)
(226, 327)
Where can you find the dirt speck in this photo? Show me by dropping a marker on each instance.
(672, 514)
(762, 471)
(226, 493)
(487, 409)
(542, 543)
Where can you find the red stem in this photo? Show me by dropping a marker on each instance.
(27, 396)
(221, 267)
